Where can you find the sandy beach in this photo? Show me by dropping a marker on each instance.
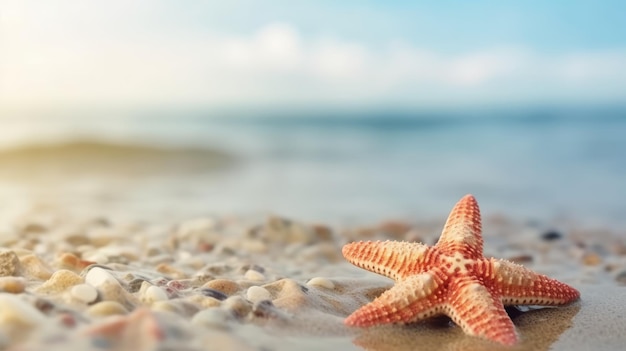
(270, 283)
(198, 175)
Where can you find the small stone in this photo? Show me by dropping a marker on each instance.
(238, 305)
(226, 286)
(60, 281)
(591, 259)
(551, 235)
(17, 316)
(254, 275)
(13, 285)
(180, 284)
(281, 230)
(139, 330)
(77, 240)
(170, 271)
(218, 295)
(203, 301)
(264, 309)
(323, 232)
(9, 263)
(73, 262)
(254, 267)
(154, 293)
(212, 318)
(288, 293)
(165, 306)
(66, 319)
(321, 283)
(109, 288)
(98, 277)
(135, 284)
(45, 306)
(34, 228)
(34, 267)
(106, 308)
(257, 293)
(84, 293)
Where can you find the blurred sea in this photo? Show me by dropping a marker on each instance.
(532, 164)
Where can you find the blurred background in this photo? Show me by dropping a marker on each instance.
(318, 110)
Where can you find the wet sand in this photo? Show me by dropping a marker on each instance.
(94, 283)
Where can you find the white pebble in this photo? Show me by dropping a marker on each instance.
(251, 274)
(321, 282)
(257, 293)
(154, 293)
(99, 277)
(16, 312)
(212, 318)
(85, 293)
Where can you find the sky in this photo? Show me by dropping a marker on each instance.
(328, 54)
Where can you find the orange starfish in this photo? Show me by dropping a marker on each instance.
(452, 278)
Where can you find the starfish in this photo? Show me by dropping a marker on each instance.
(452, 278)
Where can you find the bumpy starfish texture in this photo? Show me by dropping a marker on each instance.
(452, 278)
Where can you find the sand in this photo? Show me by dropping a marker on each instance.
(230, 283)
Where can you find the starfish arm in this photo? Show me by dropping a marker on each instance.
(392, 259)
(463, 229)
(479, 312)
(518, 285)
(417, 297)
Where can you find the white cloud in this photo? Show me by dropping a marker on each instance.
(53, 63)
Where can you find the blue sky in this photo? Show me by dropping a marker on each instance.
(410, 54)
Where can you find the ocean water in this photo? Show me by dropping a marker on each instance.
(535, 164)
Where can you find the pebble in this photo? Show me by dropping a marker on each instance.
(13, 285)
(551, 235)
(204, 301)
(60, 281)
(84, 293)
(98, 277)
(321, 283)
(212, 318)
(252, 274)
(180, 284)
(280, 230)
(323, 232)
(135, 284)
(9, 263)
(154, 293)
(226, 286)
(216, 294)
(264, 309)
(77, 240)
(179, 307)
(592, 259)
(16, 315)
(73, 262)
(170, 271)
(110, 289)
(257, 293)
(106, 308)
(238, 305)
(34, 267)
